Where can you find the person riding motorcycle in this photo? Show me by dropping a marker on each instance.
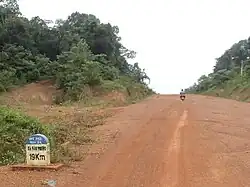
(182, 94)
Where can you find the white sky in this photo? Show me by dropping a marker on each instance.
(176, 40)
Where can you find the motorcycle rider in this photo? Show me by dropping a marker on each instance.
(182, 94)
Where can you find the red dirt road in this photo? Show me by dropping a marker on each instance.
(162, 142)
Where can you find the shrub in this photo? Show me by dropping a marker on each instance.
(15, 128)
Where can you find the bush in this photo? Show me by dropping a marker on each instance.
(109, 86)
(15, 128)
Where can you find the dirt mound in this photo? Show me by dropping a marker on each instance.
(40, 93)
(43, 92)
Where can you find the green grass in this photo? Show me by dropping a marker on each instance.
(15, 128)
(66, 138)
(237, 89)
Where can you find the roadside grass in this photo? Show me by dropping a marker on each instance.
(69, 134)
(68, 125)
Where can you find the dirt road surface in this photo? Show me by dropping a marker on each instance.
(161, 142)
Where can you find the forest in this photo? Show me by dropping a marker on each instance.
(231, 74)
(75, 53)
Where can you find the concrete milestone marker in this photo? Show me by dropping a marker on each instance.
(37, 150)
(37, 154)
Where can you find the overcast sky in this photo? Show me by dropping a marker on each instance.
(176, 40)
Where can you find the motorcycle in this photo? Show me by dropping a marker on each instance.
(182, 97)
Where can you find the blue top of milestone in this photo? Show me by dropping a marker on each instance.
(37, 139)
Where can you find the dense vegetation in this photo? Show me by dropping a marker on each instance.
(227, 78)
(76, 54)
(14, 127)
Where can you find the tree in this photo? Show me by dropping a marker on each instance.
(227, 68)
(77, 52)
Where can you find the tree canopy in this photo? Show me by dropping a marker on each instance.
(80, 50)
(227, 69)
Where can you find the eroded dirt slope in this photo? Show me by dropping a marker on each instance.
(203, 142)
(40, 93)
